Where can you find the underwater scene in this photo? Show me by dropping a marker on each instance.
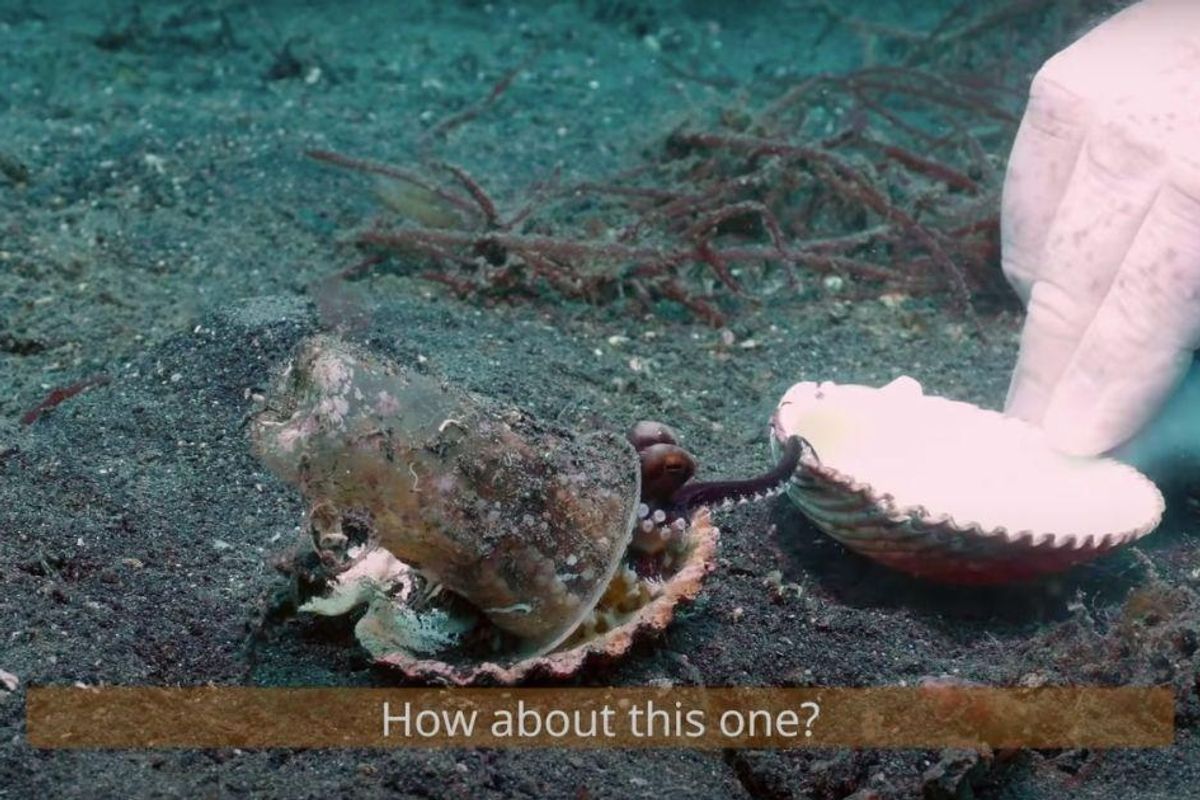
(820, 372)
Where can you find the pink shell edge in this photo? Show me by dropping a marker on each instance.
(868, 517)
(650, 620)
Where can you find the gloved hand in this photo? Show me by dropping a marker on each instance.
(1100, 227)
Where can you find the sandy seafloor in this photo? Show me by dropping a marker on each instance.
(159, 223)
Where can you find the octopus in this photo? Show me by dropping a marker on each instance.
(669, 496)
(486, 544)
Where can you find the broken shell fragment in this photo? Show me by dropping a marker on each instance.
(475, 535)
(952, 492)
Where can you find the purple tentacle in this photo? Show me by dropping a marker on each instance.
(716, 494)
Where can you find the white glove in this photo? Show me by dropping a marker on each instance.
(1100, 227)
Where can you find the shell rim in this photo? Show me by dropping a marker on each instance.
(884, 507)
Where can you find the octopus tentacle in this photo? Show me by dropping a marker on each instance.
(717, 494)
(669, 496)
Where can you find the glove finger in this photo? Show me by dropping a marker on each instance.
(1043, 157)
(1141, 340)
(1106, 201)
(1122, 60)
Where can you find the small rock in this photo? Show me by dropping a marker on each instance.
(838, 311)
(1033, 680)
(834, 283)
(9, 681)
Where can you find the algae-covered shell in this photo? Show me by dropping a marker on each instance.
(486, 546)
(952, 492)
(526, 521)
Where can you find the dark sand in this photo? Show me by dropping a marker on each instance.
(159, 223)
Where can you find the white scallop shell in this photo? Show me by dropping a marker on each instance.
(953, 492)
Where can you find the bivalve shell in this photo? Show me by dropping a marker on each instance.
(485, 544)
(946, 490)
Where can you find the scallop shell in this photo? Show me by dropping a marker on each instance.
(949, 491)
(680, 586)
(482, 541)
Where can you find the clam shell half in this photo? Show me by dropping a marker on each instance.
(677, 589)
(527, 521)
(952, 492)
